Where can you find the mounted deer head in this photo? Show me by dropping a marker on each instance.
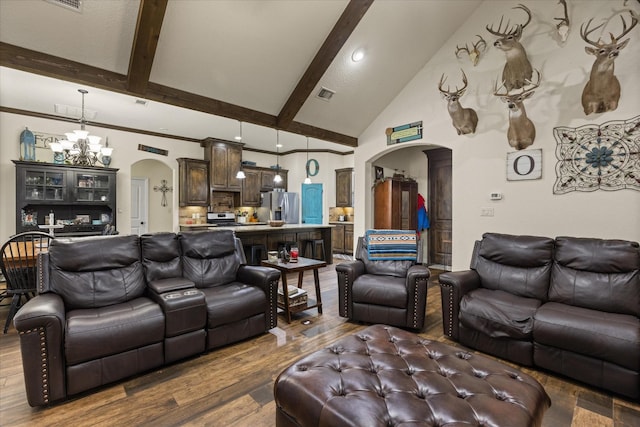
(602, 91)
(522, 132)
(563, 25)
(464, 119)
(517, 71)
(474, 54)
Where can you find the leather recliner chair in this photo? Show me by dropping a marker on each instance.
(377, 291)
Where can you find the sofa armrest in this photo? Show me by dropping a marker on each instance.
(453, 286)
(417, 283)
(40, 324)
(267, 279)
(172, 284)
(347, 273)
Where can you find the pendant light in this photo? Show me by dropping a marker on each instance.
(240, 174)
(307, 180)
(277, 179)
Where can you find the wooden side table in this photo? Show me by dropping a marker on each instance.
(303, 264)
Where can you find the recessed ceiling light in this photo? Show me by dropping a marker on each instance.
(237, 138)
(357, 55)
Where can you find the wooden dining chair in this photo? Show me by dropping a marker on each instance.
(19, 264)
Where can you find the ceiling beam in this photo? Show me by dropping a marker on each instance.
(338, 36)
(59, 68)
(145, 42)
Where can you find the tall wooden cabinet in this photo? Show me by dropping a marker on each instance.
(259, 180)
(395, 204)
(194, 182)
(344, 187)
(225, 158)
(82, 198)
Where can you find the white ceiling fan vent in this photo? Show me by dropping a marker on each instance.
(325, 94)
(142, 102)
(75, 5)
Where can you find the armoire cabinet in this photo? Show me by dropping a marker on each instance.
(82, 198)
(395, 204)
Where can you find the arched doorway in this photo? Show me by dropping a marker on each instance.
(160, 214)
(431, 166)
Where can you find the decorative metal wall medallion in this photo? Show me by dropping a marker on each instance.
(598, 157)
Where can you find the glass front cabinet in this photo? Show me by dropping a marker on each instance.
(82, 199)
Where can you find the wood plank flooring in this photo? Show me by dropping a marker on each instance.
(233, 386)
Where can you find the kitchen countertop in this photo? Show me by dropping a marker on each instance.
(257, 227)
(341, 222)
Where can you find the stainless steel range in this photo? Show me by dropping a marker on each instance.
(222, 219)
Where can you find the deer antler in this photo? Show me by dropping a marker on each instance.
(585, 31)
(481, 42)
(462, 49)
(457, 92)
(508, 30)
(625, 30)
(532, 87)
(563, 21)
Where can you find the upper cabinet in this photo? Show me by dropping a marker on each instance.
(225, 158)
(344, 187)
(259, 180)
(194, 182)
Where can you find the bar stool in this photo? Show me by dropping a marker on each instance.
(314, 245)
(255, 253)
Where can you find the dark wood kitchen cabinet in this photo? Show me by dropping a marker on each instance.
(82, 198)
(342, 238)
(344, 187)
(194, 182)
(225, 158)
(258, 180)
(395, 204)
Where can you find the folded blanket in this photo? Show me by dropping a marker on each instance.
(393, 245)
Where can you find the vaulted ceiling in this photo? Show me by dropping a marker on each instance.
(196, 68)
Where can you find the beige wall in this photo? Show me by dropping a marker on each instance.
(479, 161)
(160, 217)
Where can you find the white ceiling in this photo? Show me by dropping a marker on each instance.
(249, 53)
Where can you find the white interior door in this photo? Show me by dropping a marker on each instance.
(139, 205)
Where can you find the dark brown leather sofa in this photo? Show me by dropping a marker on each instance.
(568, 305)
(112, 307)
(389, 292)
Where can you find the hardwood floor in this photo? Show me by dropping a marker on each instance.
(233, 386)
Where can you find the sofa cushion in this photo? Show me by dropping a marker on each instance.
(597, 274)
(380, 290)
(498, 314)
(161, 256)
(610, 337)
(84, 277)
(520, 265)
(233, 302)
(211, 258)
(94, 333)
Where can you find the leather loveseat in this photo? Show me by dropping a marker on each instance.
(568, 305)
(112, 307)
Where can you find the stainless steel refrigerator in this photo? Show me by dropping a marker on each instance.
(286, 204)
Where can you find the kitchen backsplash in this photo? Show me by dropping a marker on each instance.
(345, 213)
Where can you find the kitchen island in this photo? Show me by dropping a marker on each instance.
(270, 236)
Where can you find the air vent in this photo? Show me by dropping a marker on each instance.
(75, 5)
(75, 112)
(142, 102)
(325, 94)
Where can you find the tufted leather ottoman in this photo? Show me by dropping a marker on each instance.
(384, 376)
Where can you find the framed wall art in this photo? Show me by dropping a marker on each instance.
(524, 164)
(598, 157)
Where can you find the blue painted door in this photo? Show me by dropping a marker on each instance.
(312, 203)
